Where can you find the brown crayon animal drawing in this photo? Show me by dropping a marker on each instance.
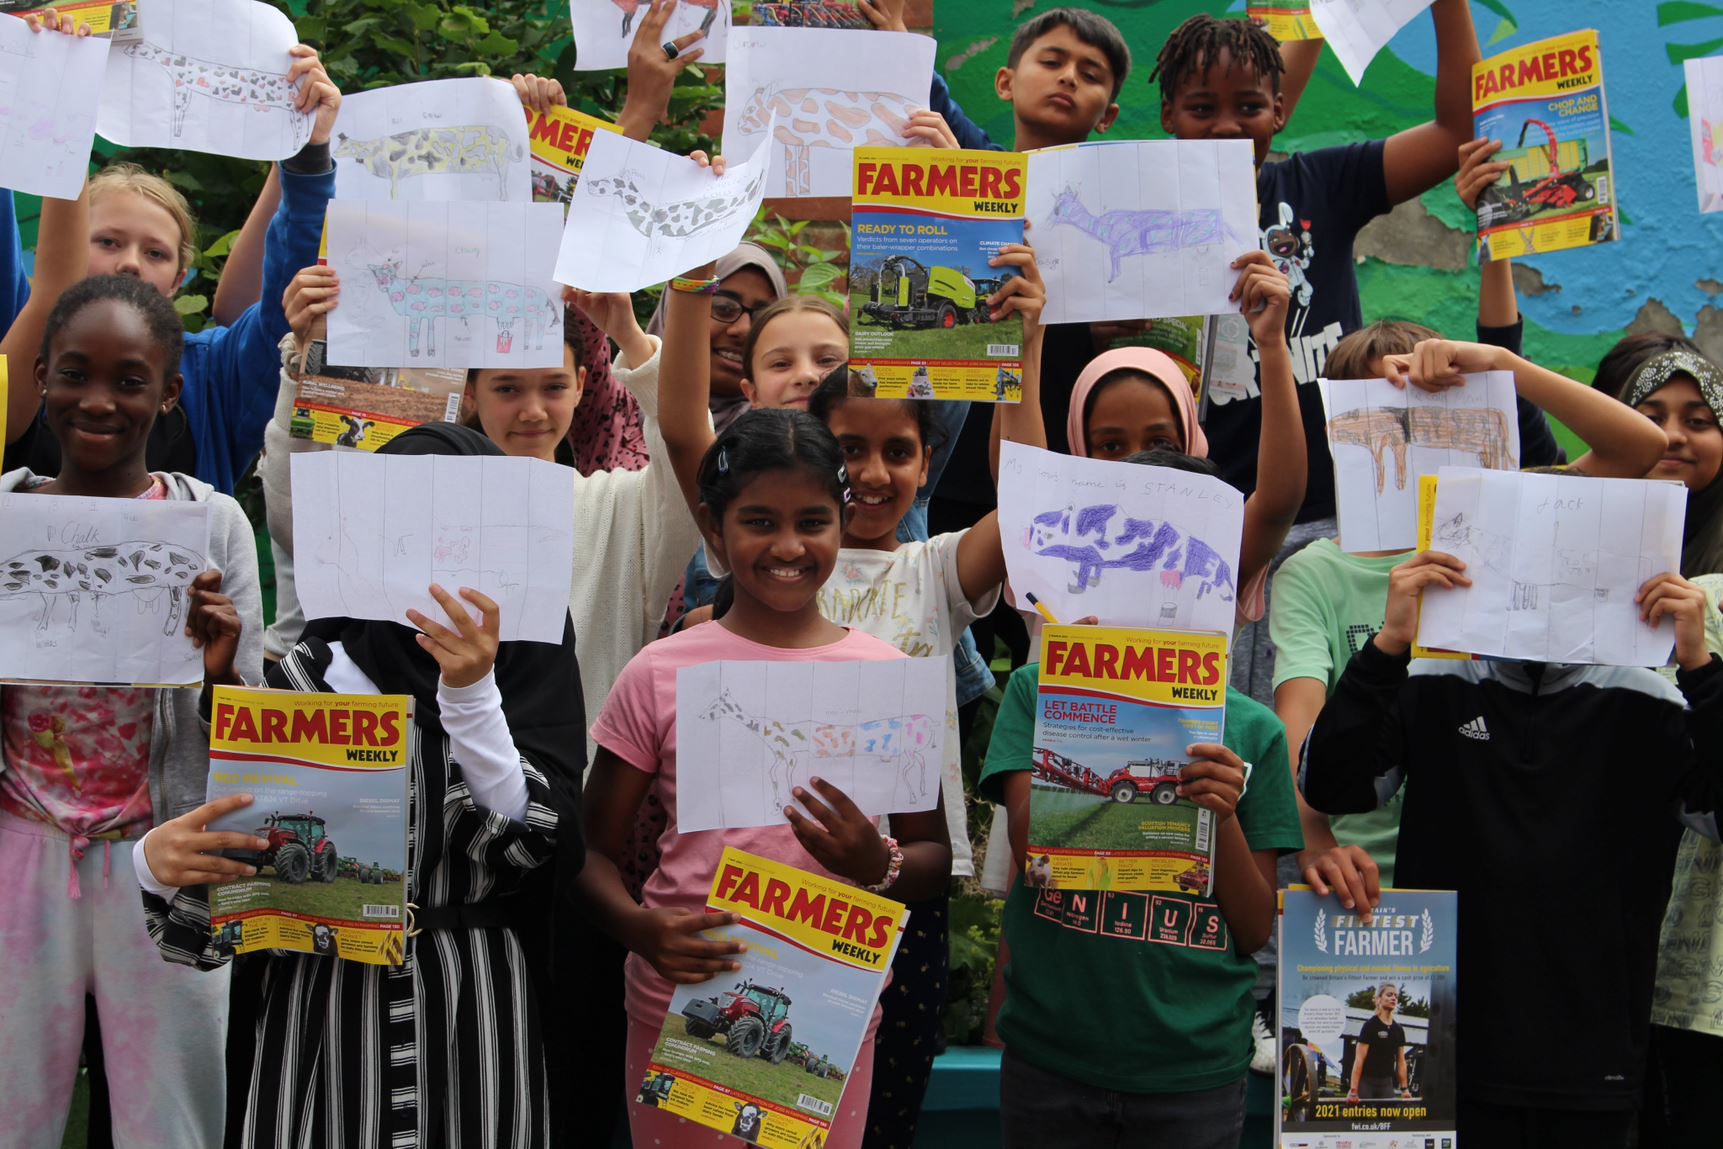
(146, 569)
(1481, 432)
(811, 118)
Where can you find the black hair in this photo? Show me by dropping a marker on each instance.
(835, 389)
(1615, 371)
(160, 319)
(1176, 460)
(1093, 29)
(571, 339)
(1196, 44)
(763, 440)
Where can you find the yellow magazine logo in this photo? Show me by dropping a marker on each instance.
(1550, 68)
(1168, 668)
(836, 921)
(349, 731)
(944, 181)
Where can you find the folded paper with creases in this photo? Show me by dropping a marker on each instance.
(371, 533)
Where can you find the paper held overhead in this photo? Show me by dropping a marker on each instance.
(49, 89)
(207, 76)
(1358, 29)
(461, 139)
(373, 532)
(640, 216)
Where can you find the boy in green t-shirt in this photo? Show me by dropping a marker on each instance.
(1131, 1012)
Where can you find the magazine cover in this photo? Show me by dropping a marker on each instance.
(1117, 710)
(559, 143)
(1545, 102)
(365, 407)
(1367, 1022)
(1286, 21)
(117, 19)
(810, 14)
(328, 777)
(764, 1052)
(924, 225)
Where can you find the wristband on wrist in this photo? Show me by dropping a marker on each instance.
(694, 286)
(893, 867)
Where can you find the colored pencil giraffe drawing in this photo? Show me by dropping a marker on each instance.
(811, 118)
(1085, 537)
(1394, 430)
(423, 301)
(145, 569)
(1128, 233)
(900, 742)
(223, 83)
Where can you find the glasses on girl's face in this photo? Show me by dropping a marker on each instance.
(726, 309)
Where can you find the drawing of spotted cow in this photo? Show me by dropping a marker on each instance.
(423, 301)
(1084, 537)
(141, 568)
(260, 91)
(470, 150)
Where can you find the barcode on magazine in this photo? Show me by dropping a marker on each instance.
(814, 1105)
(380, 912)
(453, 410)
(1011, 350)
(1205, 820)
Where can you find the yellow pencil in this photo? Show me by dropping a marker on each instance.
(1040, 606)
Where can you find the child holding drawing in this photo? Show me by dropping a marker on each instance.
(773, 503)
(130, 222)
(445, 1049)
(87, 771)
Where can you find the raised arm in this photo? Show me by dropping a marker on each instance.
(1419, 158)
(651, 73)
(241, 283)
(1263, 295)
(62, 258)
(685, 382)
(1300, 58)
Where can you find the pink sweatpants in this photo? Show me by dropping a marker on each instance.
(658, 1129)
(164, 1027)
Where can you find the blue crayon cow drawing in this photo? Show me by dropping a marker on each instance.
(1091, 540)
(422, 301)
(1147, 232)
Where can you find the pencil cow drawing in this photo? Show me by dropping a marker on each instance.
(1478, 431)
(481, 150)
(260, 91)
(811, 118)
(1086, 538)
(673, 220)
(903, 742)
(1128, 233)
(423, 301)
(145, 569)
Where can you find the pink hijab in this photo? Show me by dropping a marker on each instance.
(1162, 369)
(1156, 365)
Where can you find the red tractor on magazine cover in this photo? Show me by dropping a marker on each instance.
(1157, 778)
(299, 848)
(1559, 188)
(754, 1019)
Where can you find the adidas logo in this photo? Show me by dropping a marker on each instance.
(1476, 730)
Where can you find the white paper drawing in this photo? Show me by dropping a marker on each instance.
(1383, 438)
(460, 139)
(207, 76)
(95, 590)
(1358, 29)
(1705, 125)
(750, 732)
(640, 216)
(1141, 229)
(818, 94)
(1555, 562)
(373, 532)
(49, 86)
(431, 284)
(604, 29)
(1131, 545)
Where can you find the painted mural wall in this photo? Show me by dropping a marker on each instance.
(1665, 273)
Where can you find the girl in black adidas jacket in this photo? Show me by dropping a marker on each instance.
(1549, 796)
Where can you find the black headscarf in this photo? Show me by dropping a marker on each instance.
(1702, 534)
(539, 681)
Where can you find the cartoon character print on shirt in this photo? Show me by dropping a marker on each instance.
(1291, 243)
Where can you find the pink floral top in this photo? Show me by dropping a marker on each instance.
(78, 757)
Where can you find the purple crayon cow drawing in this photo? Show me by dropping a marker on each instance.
(1087, 538)
(1147, 232)
(422, 301)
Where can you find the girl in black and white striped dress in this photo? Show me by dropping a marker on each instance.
(445, 1049)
